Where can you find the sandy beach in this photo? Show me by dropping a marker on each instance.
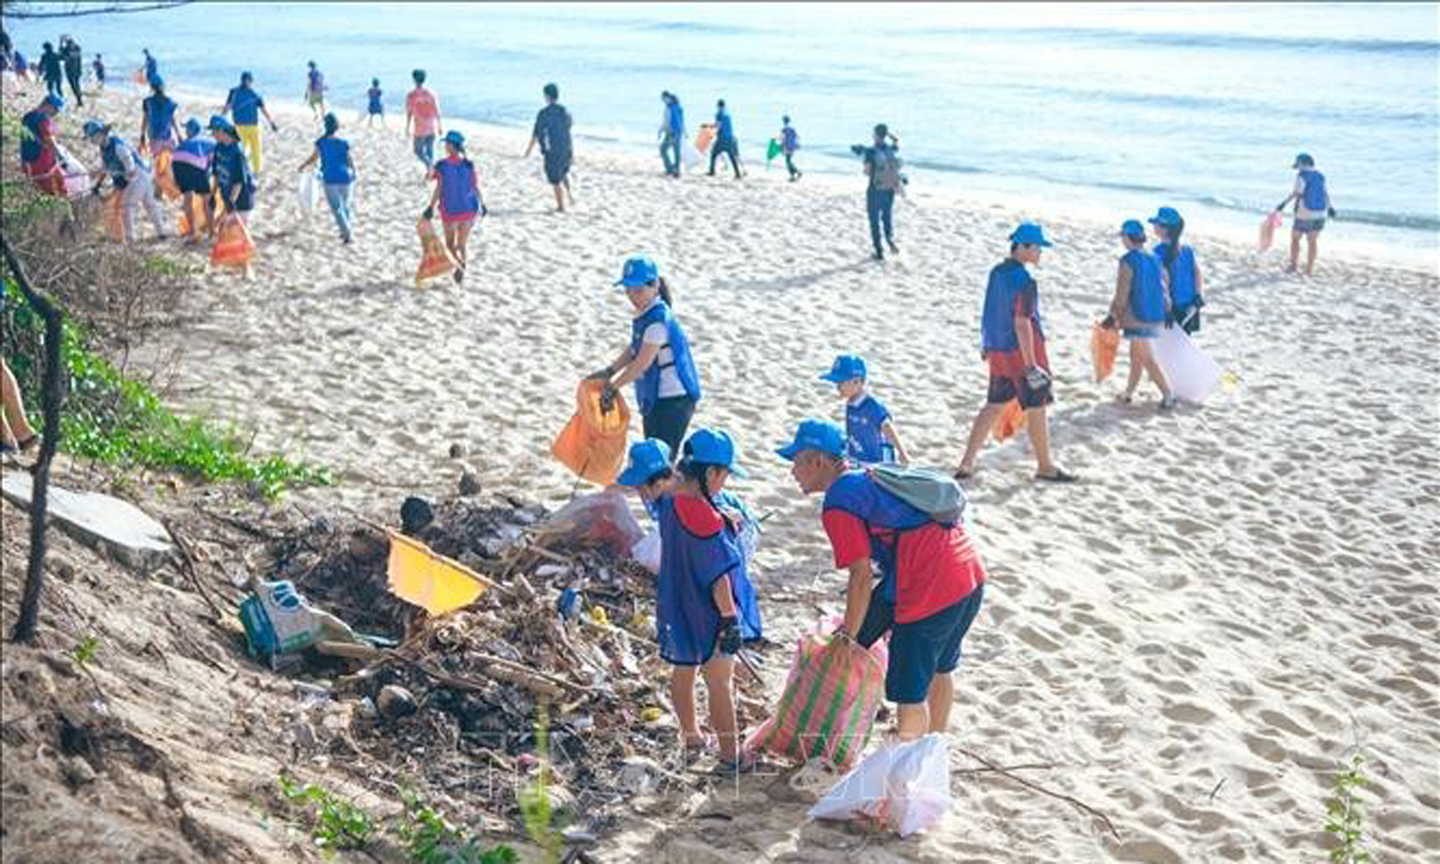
(1196, 635)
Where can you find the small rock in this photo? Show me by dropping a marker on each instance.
(457, 450)
(365, 709)
(415, 515)
(63, 570)
(304, 735)
(469, 482)
(395, 702)
(77, 771)
(311, 694)
(639, 775)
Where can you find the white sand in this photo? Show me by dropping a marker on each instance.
(1232, 598)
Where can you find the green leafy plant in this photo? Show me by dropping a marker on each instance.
(1344, 819)
(535, 806)
(430, 839)
(84, 650)
(339, 824)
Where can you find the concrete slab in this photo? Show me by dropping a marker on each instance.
(114, 528)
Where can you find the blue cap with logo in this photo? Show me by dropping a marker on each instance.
(1029, 234)
(1132, 228)
(647, 458)
(638, 273)
(1167, 217)
(819, 435)
(847, 367)
(219, 122)
(713, 447)
(53, 101)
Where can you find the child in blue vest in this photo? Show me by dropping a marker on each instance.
(457, 192)
(376, 107)
(1312, 205)
(868, 427)
(1139, 308)
(705, 606)
(1185, 282)
(657, 360)
(647, 471)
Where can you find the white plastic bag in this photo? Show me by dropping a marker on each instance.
(647, 551)
(904, 786)
(308, 191)
(1193, 376)
(689, 155)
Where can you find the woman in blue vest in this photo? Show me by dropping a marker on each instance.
(457, 192)
(1139, 309)
(705, 606)
(1182, 275)
(1312, 205)
(337, 170)
(157, 119)
(130, 174)
(657, 360)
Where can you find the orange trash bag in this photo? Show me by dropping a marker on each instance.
(114, 217)
(592, 444)
(704, 137)
(165, 177)
(435, 259)
(1011, 421)
(194, 217)
(233, 246)
(1104, 345)
(1272, 222)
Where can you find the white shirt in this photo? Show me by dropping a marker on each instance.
(658, 334)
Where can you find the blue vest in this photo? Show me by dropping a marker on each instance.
(859, 495)
(997, 321)
(334, 159)
(1182, 274)
(1147, 292)
(110, 158)
(686, 618)
(647, 387)
(457, 186)
(30, 146)
(1315, 197)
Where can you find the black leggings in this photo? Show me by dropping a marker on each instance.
(668, 420)
(729, 148)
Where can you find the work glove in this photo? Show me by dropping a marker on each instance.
(729, 641)
(1036, 377)
(1331, 211)
(607, 398)
(1199, 302)
(428, 213)
(1108, 323)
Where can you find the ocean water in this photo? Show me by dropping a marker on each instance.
(1113, 108)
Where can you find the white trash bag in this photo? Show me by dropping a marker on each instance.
(689, 155)
(647, 551)
(1193, 376)
(308, 191)
(905, 786)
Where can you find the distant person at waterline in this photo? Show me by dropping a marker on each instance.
(725, 140)
(1312, 205)
(789, 143)
(315, 91)
(882, 166)
(376, 106)
(672, 131)
(552, 133)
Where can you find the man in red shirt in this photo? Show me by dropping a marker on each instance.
(931, 579)
(38, 155)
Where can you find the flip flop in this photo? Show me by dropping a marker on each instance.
(962, 474)
(746, 763)
(1060, 476)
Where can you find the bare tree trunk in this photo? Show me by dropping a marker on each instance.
(50, 391)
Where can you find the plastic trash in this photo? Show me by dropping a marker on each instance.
(703, 138)
(647, 551)
(592, 444)
(76, 180)
(601, 518)
(1104, 345)
(114, 217)
(307, 190)
(904, 786)
(1193, 376)
(1011, 421)
(1273, 220)
(772, 150)
(435, 259)
(233, 246)
(691, 156)
(279, 621)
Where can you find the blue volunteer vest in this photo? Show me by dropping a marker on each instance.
(1147, 292)
(686, 618)
(647, 388)
(457, 186)
(858, 494)
(1182, 274)
(110, 158)
(1315, 197)
(30, 146)
(997, 320)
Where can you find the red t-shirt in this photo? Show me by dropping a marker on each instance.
(936, 566)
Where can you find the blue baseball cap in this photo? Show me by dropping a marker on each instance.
(1304, 160)
(1132, 228)
(638, 273)
(219, 122)
(54, 101)
(193, 127)
(455, 138)
(1029, 234)
(713, 447)
(1168, 217)
(92, 128)
(647, 458)
(819, 435)
(847, 367)
(157, 82)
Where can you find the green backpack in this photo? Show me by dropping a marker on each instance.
(931, 492)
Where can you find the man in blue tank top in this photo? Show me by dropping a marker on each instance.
(1312, 205)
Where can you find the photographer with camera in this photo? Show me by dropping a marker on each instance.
(882, 166)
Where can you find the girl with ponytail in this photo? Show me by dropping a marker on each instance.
(1182, 275)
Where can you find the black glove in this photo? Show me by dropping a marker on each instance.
(1331, 211)
(1169, 320)
(428, 213)
(729, 641)
(1199, 302)
(607, 398)
(1108, 323)
(1036, 377)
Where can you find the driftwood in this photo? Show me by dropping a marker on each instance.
(1004, 772)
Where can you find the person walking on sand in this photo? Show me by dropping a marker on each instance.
(74, 60)
(422, 120)
(157, 119)
(705, 604)
(50, 69)
(1012, 342)
(233, 180)
(1312, 205)
(657, 359)
(130, 174)
(245, 106)
(931, 579)
(552, 132)
(869, 430)
(1183, 277)
(39, 157)
(789, 143)
(882, 167)
(672, 131)
(457, 193)
(725, 140)
(375, 107)
(315, 91)
(99, 66)
(151, 66)
(337, 170)
(191, 167)
(1140, 308)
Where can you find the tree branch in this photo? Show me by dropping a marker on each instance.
(107, 9)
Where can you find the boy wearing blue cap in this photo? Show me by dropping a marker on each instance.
(868, 427)
(1012, 342)
(1312, 205)
(931, 581)
(1182, 274)
(1139, 308)
(647, 471)
(245, 106)
(457, 192)
(705, 606)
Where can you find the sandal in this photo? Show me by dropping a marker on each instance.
(693, 750)
(743, 764)
(1168, 403)
(962, 474)
(1060, 476)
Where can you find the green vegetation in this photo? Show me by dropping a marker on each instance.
(118, 420)
(84, 650)
(1343, 816)
(535, 806)
(430, 839)
(338, 823)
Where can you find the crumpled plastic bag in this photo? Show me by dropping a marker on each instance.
(903, 786)
(115, 217)
(1272, 223)
(600, 518)
(435, 259)
(1104, 345)
(279, 621)
(1012, 420)
(647, 551)
(308, 191)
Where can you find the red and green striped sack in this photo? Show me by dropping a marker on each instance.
(829, 703)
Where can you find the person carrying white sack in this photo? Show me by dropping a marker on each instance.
(131, 175)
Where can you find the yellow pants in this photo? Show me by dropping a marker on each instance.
(250, 140)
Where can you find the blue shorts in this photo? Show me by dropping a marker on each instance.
(921, 649)
(1308, 226)
(1141, 332)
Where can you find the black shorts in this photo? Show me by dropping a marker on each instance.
(1003, 389)
(191, 179)
(557, 167)
(669, 419)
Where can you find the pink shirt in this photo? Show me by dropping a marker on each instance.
(420, 104)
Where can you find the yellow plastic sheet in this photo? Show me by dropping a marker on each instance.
(433, 582)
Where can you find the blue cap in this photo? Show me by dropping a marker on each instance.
(1029, 233)
(1132, 228)
(1304, 160)
(246, 76)
(92, 128)
(647, 458)
(217, 121)
(1168, 217)
(156, 81)
(53, 100)
(713, 447)
(819, 435)
(638, 273)
(847, 368)
(193, 127)
(455, 138)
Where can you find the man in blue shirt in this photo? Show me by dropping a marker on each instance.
(671, 131)
(724, 140)
(245, 107)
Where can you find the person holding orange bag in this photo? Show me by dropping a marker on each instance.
(233, 180)
(657, 360)
(1140, 308)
